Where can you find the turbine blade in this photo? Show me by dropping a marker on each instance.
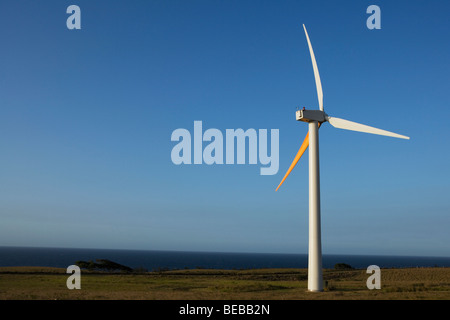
(316, 72)
(300, 152)
(350, 125)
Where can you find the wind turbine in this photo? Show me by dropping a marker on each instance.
(315, 118)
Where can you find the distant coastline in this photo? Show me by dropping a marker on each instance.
(171, 260)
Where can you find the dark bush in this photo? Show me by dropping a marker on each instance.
(343, 266)
(102, 264)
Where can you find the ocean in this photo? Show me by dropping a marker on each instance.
(162, 260)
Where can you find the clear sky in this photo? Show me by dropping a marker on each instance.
(86, 118)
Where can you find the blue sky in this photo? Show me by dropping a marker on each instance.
(86, 118)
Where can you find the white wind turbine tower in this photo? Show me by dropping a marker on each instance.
(315, 118)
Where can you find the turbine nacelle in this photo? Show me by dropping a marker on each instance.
(310, 115)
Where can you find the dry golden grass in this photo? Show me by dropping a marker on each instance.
(40, 283)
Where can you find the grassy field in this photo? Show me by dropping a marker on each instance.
(39, 283)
